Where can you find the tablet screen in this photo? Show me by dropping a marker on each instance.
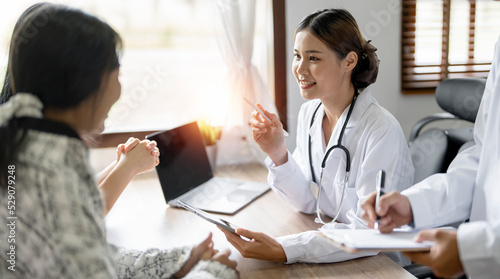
(210, 218)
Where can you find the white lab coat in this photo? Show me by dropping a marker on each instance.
(375, 141)
(470, 189)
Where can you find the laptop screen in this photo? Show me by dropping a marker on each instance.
(183, 160)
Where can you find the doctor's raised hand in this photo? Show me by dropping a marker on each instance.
(269, 135)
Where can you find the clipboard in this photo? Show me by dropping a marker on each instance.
(371, 240)
(210, 218)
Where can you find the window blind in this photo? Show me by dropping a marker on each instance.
(447, 39)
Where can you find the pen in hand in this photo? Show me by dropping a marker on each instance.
(263, 114)
(380, 192)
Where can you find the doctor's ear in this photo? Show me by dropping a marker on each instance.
(350, 61)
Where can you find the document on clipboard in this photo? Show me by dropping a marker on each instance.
(365, 240)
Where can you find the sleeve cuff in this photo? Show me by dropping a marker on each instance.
(281, 168)
(310, 247)
(421, 211)
(280, 175)
(475, 248)
(291, 244)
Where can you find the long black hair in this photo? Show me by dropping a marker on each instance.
(6, 90)
(60, 55)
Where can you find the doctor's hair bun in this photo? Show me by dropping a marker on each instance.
(338, 29)
(366, 71)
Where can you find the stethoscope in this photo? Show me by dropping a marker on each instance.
(348, 161)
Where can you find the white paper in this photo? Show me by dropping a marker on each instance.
(372, 239)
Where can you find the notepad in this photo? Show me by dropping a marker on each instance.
(364, 240)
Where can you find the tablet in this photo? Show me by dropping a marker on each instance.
(210, 218)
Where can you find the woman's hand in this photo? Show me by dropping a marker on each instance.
(126, 147)
(443, 258)
(138, 156)
(269, 136)
(223, 258)
(205, 251)
(131, 143)
(132, 158)
(260, 246)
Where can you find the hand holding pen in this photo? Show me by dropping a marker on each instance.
(268, 133)
(393, 211)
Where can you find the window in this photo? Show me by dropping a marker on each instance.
(447, 39)
(171, 68)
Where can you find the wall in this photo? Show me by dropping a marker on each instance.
(379, 21)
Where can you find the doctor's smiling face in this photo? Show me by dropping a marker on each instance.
(317, 69)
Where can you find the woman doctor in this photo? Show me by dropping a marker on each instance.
(341, 128)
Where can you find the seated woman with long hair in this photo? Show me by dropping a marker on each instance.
(63, 70)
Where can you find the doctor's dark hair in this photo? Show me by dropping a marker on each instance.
(61, 55)
(338, 29)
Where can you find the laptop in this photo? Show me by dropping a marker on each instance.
(185, 174)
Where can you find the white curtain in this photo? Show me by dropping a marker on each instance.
(235, 24)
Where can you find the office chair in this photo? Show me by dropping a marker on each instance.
(433, 150)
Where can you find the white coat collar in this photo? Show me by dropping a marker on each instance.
(364, 100)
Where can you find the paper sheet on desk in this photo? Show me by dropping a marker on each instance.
(362, 240)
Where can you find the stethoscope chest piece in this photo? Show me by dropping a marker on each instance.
(314, 188)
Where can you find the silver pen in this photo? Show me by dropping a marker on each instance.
(380, 192)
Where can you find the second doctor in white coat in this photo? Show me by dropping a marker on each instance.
(470, 189)
(332, 64)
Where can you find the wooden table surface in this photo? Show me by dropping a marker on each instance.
(141, 219)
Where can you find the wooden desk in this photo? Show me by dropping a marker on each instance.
(141, 219)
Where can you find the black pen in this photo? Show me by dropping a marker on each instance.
(380, 192)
